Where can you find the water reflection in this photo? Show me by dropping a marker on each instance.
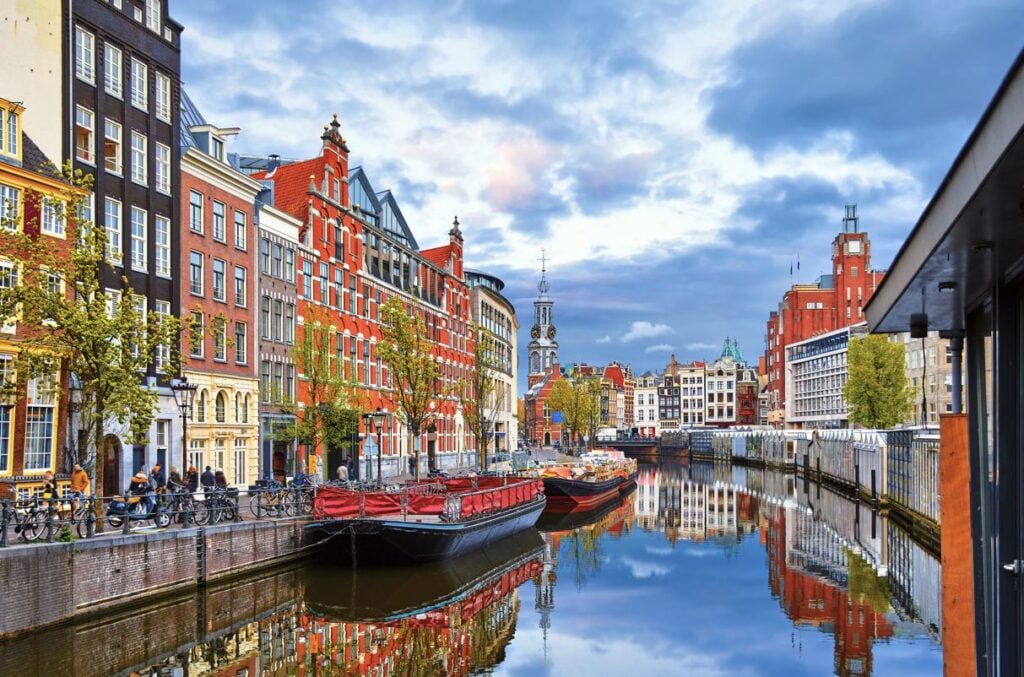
(705, 569)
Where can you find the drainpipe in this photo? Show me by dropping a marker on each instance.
(956, 348)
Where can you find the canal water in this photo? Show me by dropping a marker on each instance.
(702, 570)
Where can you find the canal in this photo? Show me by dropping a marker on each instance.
(703, 570)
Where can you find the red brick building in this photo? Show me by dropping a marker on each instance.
(831, 302)
(357, 252)
(541, 426)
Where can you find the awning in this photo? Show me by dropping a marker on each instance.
(971, 234)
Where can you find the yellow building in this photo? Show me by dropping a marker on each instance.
(224, 429)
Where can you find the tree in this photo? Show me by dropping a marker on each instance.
(405, 349)
(72, 320)
(324, 420)
(877, 392)
(578, 401)
(480, 396)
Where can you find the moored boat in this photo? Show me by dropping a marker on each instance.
(425, 522)
(598, 477)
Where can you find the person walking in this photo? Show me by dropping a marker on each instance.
(220, 479)
(80, 485)
(343, 473)
(192, 479)
(208, 478)
(157, 479)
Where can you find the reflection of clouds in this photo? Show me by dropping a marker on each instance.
(658, 550)
(571, 655)
(642, 569)
(703, 552)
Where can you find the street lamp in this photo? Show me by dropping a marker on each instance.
(184, 396)
(378, 419)
(374, 420)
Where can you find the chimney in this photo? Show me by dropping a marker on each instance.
(273, 162)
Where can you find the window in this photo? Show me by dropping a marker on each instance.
(162, 428)
(245, 409)
(265, 317)
(153, 15)
(140, 84)
(220, 340)
(112, 70)
(139, 239)
(278, 382)
(265, 381)
(289, 265)
(307, 280)
(112, 225)
(8, 280)
(84, 129)
(278, 316)
(163, 351)
(9, 207)
(853, 271)
(217, 148)
(113, 301)
(323, 283)
(240, 229)
(137, 13)
(139, 305)
(265, 256)
(163, 168)
(240, 346)
(9, 133)
(85, 65)
(197, 453)
(163, 246)
(53, 217)
(219, 292)
(6, 371)
(289, 323)
(195, 273)
(289, 383)
(112, 146)
(240, 444)
(163, 97)
(39, 423)
(240, 286)
(277, 260)
(219, 232)
(139, 170)
(220, 409)
(201, 407)
(195, 212)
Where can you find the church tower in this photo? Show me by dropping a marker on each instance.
(543, 349)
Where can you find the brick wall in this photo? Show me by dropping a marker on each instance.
(47, 584)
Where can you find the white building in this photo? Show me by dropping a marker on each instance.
(645, 409)
(816, 371)
(496, 314)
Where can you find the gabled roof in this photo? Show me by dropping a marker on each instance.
(357, 174)
(190, 117)
(439, 256)
(613, 372)
(291, 184)
(397, 225)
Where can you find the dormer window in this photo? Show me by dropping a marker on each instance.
(10, 129)
(217, 148)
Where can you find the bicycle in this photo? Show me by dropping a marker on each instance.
(28, 520)
(220, 506)
(182, 501)
(269, 502)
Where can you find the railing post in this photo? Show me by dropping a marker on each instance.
(238, 502)
(126, 528)
(51, 532)
(282, 496)
(4, 521)
(259, 503)
(90, 518)
(186, 512)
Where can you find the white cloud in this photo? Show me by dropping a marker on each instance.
(660, 348)
(697, 345)
(604, 339)
(644, 329)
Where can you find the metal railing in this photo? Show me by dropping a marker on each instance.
(70, 517)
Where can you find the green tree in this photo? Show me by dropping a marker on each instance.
(480, 396)
(578, 399)
(877, 392)
(406, 350)
(71, 319)
(325, 418)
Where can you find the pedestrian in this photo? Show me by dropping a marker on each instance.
(192, 479)
(80, 485)
(174, 480)
(220, 479)
(343, 473)
(412, 466)
(157, 479)
(208, 478)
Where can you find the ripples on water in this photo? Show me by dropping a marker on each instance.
(703, 570)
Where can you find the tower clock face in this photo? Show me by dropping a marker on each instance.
(551, 333)
(535, 332)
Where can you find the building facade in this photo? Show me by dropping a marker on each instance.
(929, 364)
(833, 301)
(278, 302)
(542, 352)
(494, 313)
(356, 252)
(645, 409)
(669, 389)
(816, 371)
(691, 394)
(122, 125)
(218, 302)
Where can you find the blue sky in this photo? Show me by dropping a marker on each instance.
(673, 158)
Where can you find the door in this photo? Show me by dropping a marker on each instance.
(111, 466)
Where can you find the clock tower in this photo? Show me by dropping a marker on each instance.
(543, 349)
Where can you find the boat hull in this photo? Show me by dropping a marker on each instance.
(378, 540)
(565, 494)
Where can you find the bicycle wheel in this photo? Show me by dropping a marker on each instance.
(200, 513)
(306, 503)
(80, 519)
(258, 505)
(34, 525)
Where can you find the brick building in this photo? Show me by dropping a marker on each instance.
(219, 300)
(356, 251)
(831, 302)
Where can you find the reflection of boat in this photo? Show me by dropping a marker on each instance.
(427, 522)
(568, 520)
(389, 593)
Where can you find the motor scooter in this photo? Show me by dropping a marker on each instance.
(119, 508)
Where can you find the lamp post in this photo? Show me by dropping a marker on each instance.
(378, 419)
(184, 397)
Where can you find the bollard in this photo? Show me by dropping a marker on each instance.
(51, 528)
(5, 517)
(259, 503)
(90, 518)
(126, 528)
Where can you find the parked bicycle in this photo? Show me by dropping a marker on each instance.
(221, 505)
(181, 501)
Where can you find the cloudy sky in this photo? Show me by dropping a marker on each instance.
(673, 158)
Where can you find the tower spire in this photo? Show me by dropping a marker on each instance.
(543, 286)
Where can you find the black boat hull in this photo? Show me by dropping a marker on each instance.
(564, 494)
(379, 540)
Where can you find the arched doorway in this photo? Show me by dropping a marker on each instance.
(547, 439)
(111, 465)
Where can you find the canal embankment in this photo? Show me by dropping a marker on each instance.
(51, 583)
